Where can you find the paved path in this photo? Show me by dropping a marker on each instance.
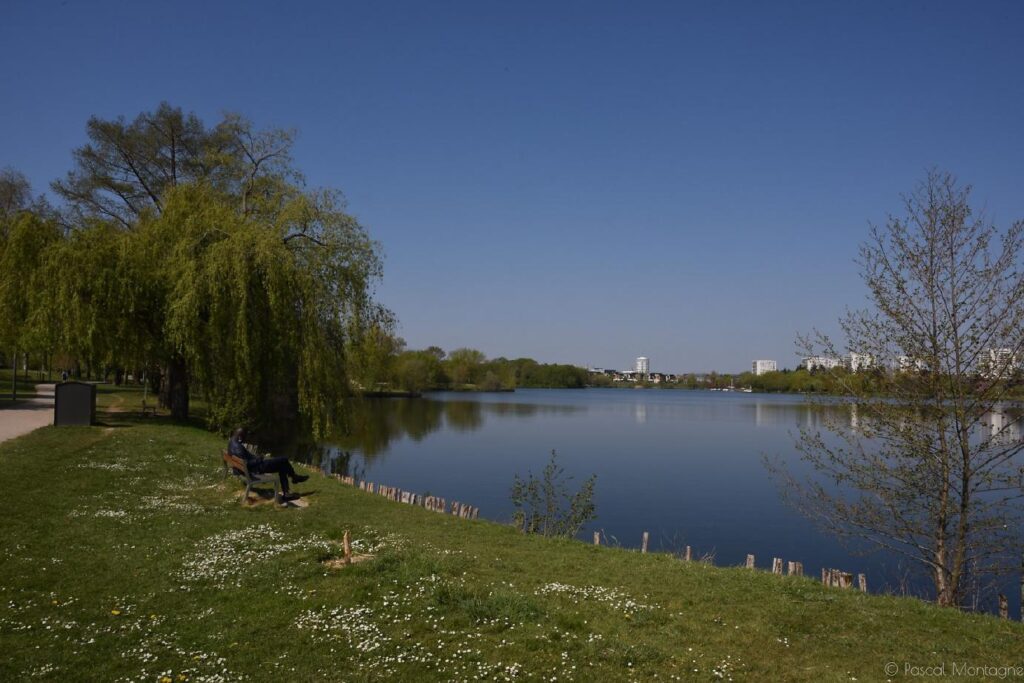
(27, 415)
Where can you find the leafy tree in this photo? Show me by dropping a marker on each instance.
(375, 353)
(419, 370)
(216, 265)
(126, 170)
(924, 473)
(463, 366)
(261, 320)
(26, 326)
(87, 291)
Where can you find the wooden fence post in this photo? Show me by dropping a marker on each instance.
(862, 583)
(643, 545)
(1004, 607)
(597, 538)
(777, 565)
(346, 544)
(750, 561)
(689, 554)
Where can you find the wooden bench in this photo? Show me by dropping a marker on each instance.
(240, 468)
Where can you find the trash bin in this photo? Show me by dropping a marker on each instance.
(74, 403)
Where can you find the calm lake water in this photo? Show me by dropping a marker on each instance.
(687, 466)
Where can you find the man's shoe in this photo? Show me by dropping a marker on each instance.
(299, 478)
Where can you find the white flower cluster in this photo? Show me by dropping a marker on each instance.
(612, 597)
(176, 504)
(225, 558)
(116, 466)
(380, 642)
(355, 623)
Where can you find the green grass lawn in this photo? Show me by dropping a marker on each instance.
(128, 558)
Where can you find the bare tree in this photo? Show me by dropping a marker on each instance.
(15, 192)
(931, 470)
(127, 167)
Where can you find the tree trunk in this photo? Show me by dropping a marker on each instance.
(153, 377)
(174, 388)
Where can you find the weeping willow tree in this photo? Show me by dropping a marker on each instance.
(198, 252)
(84, 294)
(26, 326)
(261, 314)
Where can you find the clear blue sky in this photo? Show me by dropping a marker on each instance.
(576, 182)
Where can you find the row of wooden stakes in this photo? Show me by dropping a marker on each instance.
(829, 577)
(834, 578)
(434, 503)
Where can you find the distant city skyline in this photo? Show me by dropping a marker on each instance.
(575, 183)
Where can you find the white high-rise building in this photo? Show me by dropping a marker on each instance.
(822, 362)
(643, 365)
(998, 363)
(762, 366)
(910, 364)
(856, 362)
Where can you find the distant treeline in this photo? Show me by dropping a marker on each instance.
(386, 365)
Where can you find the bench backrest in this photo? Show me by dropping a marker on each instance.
(237, 463)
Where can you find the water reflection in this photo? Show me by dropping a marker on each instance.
(1003, 425)
(374, 424)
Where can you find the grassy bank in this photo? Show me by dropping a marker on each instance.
(127, 557)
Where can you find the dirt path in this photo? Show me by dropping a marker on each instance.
(27, 415)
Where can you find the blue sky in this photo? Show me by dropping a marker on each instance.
(576, 182)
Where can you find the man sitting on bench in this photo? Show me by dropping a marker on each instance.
(258, 465)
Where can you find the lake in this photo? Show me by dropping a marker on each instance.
(686, 466)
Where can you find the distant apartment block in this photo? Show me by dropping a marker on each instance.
(910, 364)
(643, 365)
(762, 366)
(999, 363)
(855, 362)
(821, 362)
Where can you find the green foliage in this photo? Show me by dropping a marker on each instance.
(25, 321)
(261, 320)
(547, 506)
(531, 374)
(375, 356)
(469, 368)
(464, 366)
(419, 370)
(97, 290)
